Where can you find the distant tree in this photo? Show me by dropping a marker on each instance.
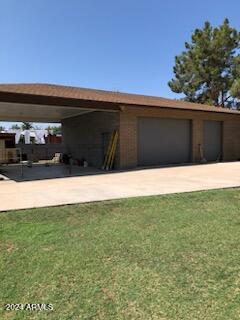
(15, 126)
(2, 128)
(55, 129)
(208, 71)
(37, 127)
(27, 126)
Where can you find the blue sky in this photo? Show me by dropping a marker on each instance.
(124, 45)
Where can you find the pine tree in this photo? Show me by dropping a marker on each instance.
(27, 126)
(15, 127)
(208, 70)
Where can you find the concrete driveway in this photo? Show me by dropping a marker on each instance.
(146, 182)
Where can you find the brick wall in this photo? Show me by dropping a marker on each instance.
(128, 131)
(83, 135)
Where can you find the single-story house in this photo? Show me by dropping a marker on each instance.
(152, 130)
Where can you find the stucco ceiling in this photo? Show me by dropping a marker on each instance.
(38, 113)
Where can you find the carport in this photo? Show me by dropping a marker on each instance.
(36, 103)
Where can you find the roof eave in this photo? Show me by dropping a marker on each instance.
(13, 97)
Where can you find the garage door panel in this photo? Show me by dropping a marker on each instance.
(163, 141)
(212, 140)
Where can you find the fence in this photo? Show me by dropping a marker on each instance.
(9, 155)
(37, 152)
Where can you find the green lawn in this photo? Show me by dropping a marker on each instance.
(167, 257)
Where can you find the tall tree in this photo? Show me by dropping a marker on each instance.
(207, 70)
(235, 90)
(55, 129)
(27, 125)
(15, 126)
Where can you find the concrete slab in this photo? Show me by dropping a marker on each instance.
(146, 182)
(41, 171)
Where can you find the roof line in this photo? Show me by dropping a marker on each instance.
(65, 93)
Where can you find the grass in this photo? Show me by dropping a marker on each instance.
(167, 257)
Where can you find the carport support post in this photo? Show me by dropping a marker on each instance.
(70, 165)
(21, 162)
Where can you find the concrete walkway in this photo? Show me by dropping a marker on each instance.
(146, 182)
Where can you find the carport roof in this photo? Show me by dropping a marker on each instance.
(50, 94)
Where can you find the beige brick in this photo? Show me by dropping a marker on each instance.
(128, 131)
